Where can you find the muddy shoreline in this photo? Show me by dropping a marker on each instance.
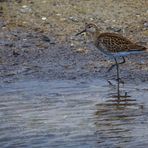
(48, 49)
(35, 55)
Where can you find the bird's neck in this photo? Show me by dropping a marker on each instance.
(95, 35)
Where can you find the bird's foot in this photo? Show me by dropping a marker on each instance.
(120, 80)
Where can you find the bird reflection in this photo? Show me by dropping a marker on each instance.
(114, 122)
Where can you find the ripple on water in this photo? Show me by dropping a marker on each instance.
(64, 114)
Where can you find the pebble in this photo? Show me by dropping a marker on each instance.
(25, 9)
(15, 53)
(24, 6)
(58, 14)
(62, 19)
(45, 38)
(71, 45)
(44, 18)
(81, 50)
(146, 24)
(91, 19)
(74, 19)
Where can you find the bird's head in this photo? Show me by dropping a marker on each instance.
(90, 28)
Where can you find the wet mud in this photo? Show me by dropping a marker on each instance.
(42, 44)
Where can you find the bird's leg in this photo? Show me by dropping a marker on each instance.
(115, 65)
(122, 61)
(118, 79)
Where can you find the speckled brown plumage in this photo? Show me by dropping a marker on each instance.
(115, 43)
(111, 43)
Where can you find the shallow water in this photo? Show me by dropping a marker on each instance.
(75, 114)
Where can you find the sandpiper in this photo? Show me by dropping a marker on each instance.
(112, 44)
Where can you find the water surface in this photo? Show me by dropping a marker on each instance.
(72, 114)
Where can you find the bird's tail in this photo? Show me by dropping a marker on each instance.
(135, 47)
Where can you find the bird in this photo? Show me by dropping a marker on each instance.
(112, 44)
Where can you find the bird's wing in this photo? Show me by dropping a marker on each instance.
(115, 37)
(116, 43)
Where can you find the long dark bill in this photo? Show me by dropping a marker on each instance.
(81, 32)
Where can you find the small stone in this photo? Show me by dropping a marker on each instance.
(58, 14)
(24, 6)
(25, 9)
(15, 53)
(74, 19)
(91, 19)
(71, 45)
(44, 18)
(142, 62)
(45, 38)
(62, 19)
(146, 24)
(72, 38)
(24, 39)
(81, 50)
(138, 15)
